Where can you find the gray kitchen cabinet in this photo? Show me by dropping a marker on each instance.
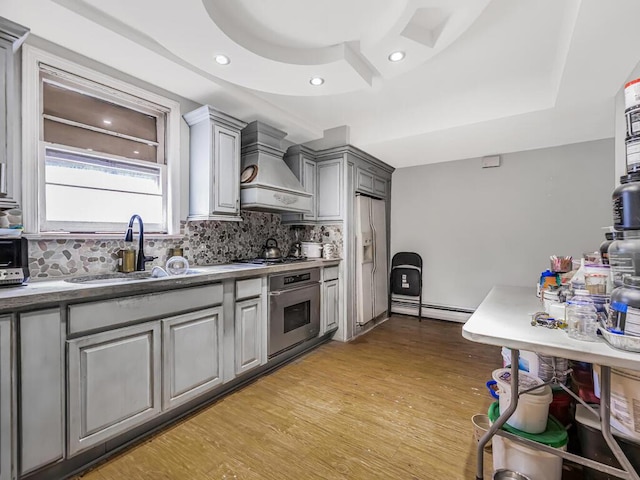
(7, 375)
(249, 334)
(301, 162)
(113, 383)
(11, 37)
(41, 381)
(192, 355)
(330, 190)
(214, 168)
(369, 182)
(330, 305)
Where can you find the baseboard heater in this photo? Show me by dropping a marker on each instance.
(439, 312)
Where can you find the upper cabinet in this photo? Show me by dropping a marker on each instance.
(11, 37)
(332, 176)
(214, 172)
(321, 178)
(369, 182)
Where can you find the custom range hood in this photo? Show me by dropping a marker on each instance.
(267, 184)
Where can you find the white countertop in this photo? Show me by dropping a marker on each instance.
(39, 294)
(504, 319)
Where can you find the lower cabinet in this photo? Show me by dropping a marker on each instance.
(248, 334)
(330, 305)
(7, 452)
(41, 380)
(113, 384)
(192, 355)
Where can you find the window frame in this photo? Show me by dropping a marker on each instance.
(34, 60)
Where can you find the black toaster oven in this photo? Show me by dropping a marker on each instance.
(14, 261)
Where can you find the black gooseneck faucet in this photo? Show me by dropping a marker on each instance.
(128, 237)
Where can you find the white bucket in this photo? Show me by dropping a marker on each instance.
(534, 464)
(533, 407)
(625, 399)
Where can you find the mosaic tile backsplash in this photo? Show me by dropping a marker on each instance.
(203, 243)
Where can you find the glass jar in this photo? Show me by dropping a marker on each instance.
(582, 317)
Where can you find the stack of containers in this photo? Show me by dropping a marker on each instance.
(531, 420)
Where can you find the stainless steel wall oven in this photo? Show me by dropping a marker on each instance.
(294, 315)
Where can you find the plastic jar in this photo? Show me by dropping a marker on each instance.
(624, 256)
(582, 317)
(626, 203)
(624, 312)
(604, 246)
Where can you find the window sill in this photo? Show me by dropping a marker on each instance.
(99, 236)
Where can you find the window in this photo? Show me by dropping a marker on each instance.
(101, 150)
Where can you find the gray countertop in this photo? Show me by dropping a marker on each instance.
(40, 294)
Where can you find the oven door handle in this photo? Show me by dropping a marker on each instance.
(277, 293)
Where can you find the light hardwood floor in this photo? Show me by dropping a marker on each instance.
(394, 404)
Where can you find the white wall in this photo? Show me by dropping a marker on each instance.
(476, 228)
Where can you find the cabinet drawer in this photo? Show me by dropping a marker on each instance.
(331, 273)
(251, 287)
(98, 315)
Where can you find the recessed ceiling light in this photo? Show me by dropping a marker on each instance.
(396, 56)
(106, 122)
(316, 81)
(136, 152)
(223, 59)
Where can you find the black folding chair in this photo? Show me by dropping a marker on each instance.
(406, 277)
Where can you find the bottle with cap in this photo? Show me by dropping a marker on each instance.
(626, 203)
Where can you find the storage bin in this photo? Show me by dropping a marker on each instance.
(533, 407)
(625, 399)
(593, 445)
(535, 464)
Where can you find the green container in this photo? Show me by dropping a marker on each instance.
(555, 435)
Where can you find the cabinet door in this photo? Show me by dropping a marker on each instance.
(329, 190)
(249, 331)
(380, 186)
(41, 389)
(114, 383)
(7, 453)
(226, 181)
(309, 184)
(331, 307)
(192, 355)
(364, 180)
(11, 36)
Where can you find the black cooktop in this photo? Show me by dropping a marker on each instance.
(271, 261)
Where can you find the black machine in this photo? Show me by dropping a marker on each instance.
(14, 261)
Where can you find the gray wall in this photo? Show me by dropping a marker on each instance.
(476, 228)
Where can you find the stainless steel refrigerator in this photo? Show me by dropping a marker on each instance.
(371, 258)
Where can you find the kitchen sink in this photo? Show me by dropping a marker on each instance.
(118, 277)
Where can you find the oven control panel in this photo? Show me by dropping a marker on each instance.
(302, 277)
(298, 278)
